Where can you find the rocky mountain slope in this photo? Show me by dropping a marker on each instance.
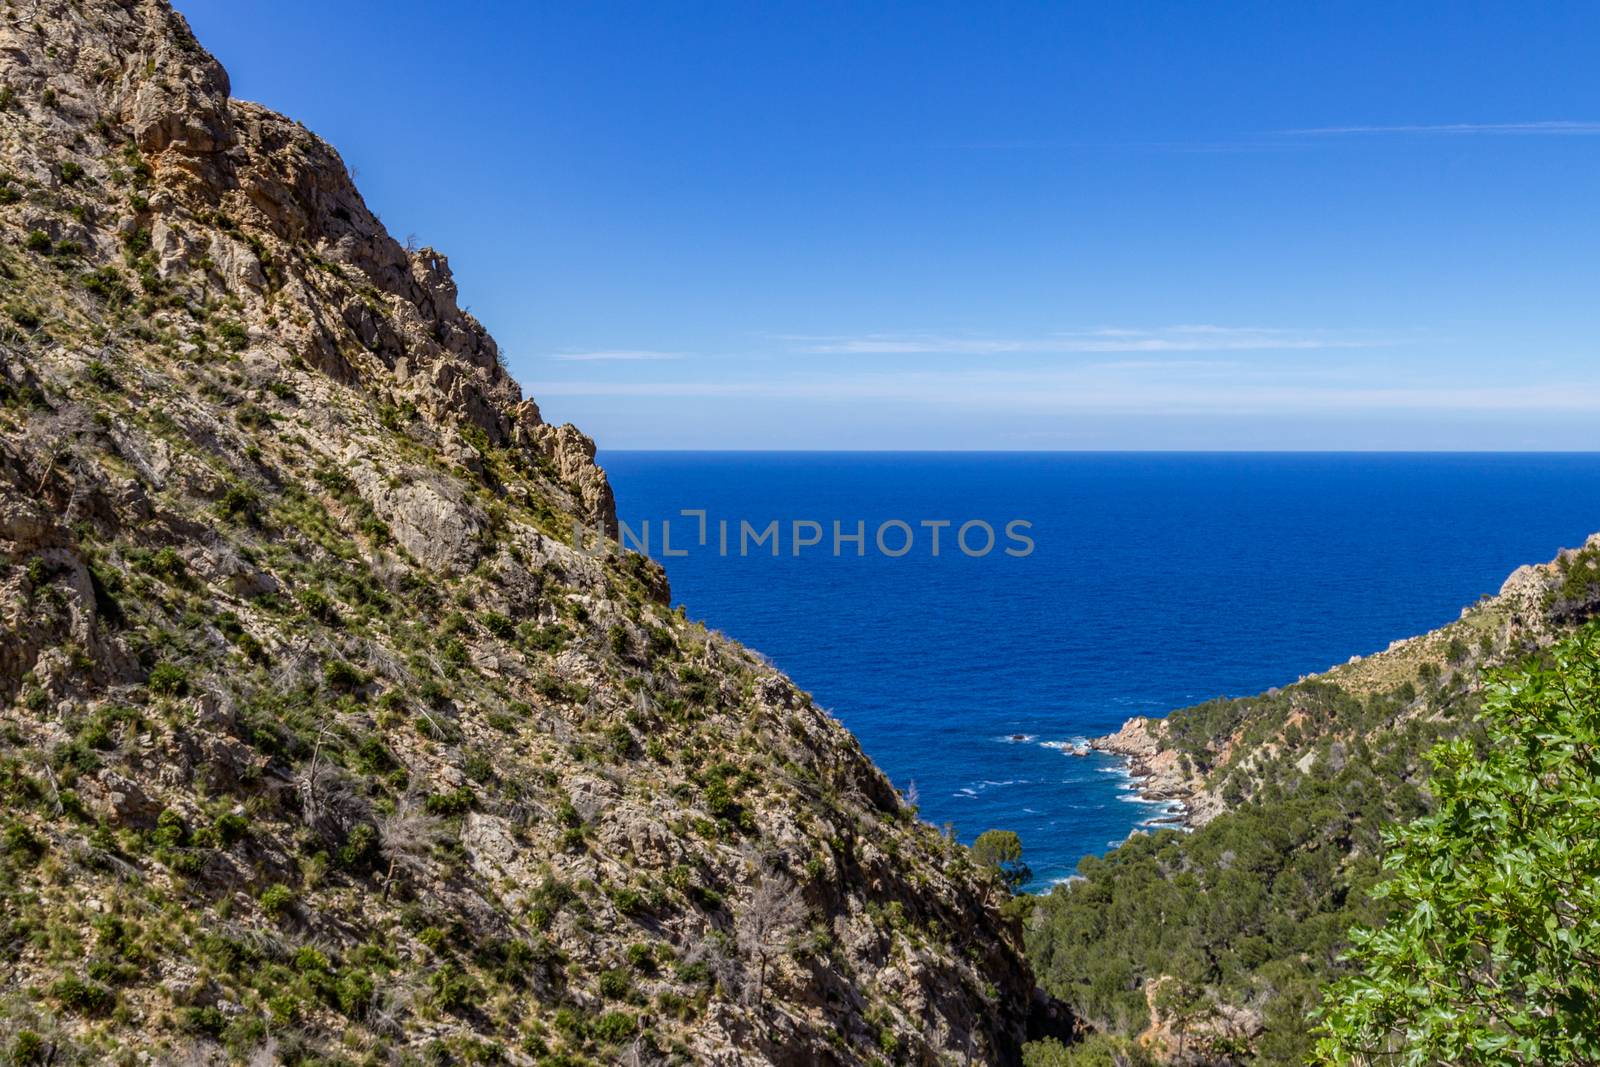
(319, 742)
(1213, 947)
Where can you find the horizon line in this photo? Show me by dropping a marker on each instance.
(1127, 451)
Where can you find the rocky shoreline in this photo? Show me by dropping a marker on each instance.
(1156, 774)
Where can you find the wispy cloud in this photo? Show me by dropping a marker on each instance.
(609, 355)
(1552, 128)
(1198, 338)
(1079, 392)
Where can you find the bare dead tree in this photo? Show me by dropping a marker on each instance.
(719, 958)
(406, 837)
(55, 439)
(387, 1012)
(329, 802)
(766, 925)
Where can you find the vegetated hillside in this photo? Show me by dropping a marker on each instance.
(1492, 954)
(1214, 946)
(318, 742)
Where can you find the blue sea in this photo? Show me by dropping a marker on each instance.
(1155, 580)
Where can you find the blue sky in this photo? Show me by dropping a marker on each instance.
(1011, 226)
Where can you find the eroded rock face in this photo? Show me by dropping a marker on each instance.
(293, 640)
(429, 518)
(137, 70)
(571, 453)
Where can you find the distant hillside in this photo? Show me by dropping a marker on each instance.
(1213, 946)
(318, 741)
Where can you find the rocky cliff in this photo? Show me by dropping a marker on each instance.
(318, 740)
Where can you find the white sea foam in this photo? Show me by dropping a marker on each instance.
(1072, 746)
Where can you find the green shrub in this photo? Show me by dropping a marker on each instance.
(171, 831)
(238, 502)
(317, 605)
(615, 984)
(165, 563)
(571, 1025)
(1095, 1050)
(373, 756)
(719, 799)
(455, 652)
(276, 900)
(99, 375)
(696, 973)
(107, 284)
(341, 675)
(207, 1019)
(168, 679)
(642, 958)
(28, 1048)
(284, 1008)
(23, 316)
(309, 960)
(1490, 954)
(232, 335)
(254, 417)
(231, 828)
(36, 241)
(615, 1027)
(478, 767)
(20, 841)
(544, 638)
(354, 993)
(451, 989)
(85, 998)
(552, 688)
(251, 648)
(456, 802)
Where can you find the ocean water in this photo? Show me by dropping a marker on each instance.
(1155, 580)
